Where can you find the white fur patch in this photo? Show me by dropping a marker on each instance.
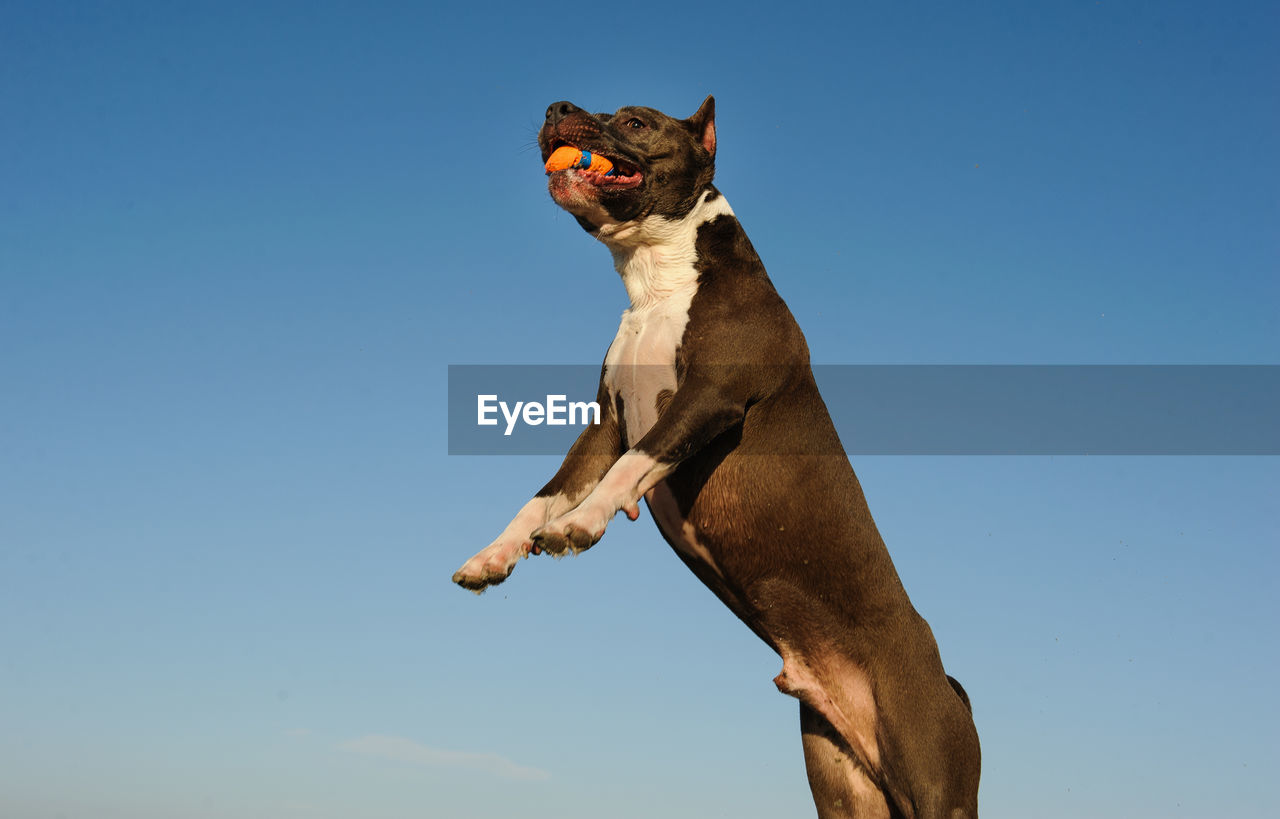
(839, 690)
(654, 254)
(621, 488)
(495, 562)
(628, 479)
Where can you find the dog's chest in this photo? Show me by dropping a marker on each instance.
(640, 368)
(658, 261)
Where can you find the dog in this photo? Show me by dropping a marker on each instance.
(710, 412)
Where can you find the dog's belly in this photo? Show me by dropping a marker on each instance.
(679, 531)
(640, 367)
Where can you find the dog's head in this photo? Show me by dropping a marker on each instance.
(661, 165)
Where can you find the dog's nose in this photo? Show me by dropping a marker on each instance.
(557, 111)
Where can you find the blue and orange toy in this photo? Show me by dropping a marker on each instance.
(567, 156)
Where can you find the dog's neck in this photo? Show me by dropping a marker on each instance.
(655, 255)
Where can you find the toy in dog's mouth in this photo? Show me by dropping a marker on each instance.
(592, 167)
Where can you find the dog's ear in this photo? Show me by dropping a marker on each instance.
(703, 125)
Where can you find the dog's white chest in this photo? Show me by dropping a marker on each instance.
(641, 364)
(657, 259)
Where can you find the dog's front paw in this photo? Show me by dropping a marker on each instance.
(492, 564)
(579, 530)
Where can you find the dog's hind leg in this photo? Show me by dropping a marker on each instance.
(841, 787)
(931, 747)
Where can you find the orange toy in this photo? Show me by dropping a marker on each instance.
(567, 156)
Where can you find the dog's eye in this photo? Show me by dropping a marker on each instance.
(635, 123)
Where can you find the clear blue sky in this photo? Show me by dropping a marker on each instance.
(241, 242)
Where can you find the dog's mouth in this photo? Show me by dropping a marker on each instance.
(623, 174)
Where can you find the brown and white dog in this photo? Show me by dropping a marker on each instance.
(710, 412)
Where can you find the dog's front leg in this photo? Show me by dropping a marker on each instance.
(700, 410)
(590, 457)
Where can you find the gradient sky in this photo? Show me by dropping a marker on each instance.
(241, 242)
